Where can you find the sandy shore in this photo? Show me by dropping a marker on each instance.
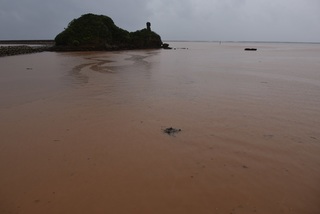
(82, 132)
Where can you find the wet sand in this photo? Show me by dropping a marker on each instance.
(82, 132)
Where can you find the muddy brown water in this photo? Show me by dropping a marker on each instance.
(83, 132)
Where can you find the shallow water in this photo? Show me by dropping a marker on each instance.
(83, 132)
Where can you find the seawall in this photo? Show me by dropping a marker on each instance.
(23, 49)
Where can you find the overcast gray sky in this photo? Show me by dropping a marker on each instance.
(208, 20)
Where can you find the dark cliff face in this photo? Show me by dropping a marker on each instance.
(145, 38)
(100, 32)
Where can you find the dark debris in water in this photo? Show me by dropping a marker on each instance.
(250, 49)
(171, 131)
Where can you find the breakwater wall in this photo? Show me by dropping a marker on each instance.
(23, 49)
(16, 47)
(27, 42)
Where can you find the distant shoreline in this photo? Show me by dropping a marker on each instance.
(18, 47)
(262, 42)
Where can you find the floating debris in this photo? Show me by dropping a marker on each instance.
(250, 49)
(171, 131)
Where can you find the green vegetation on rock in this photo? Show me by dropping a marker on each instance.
(99, 32)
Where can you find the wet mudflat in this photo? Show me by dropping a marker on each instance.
(83, 132)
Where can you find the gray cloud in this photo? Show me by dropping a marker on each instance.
(281, 20)
(236, 20)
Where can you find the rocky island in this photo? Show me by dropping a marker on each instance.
(98, 32)
(90, 32)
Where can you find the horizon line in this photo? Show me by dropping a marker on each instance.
(17, 41)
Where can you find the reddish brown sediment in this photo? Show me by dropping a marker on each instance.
(83, 132)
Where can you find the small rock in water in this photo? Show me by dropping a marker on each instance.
(171, 131)
(250, 49)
